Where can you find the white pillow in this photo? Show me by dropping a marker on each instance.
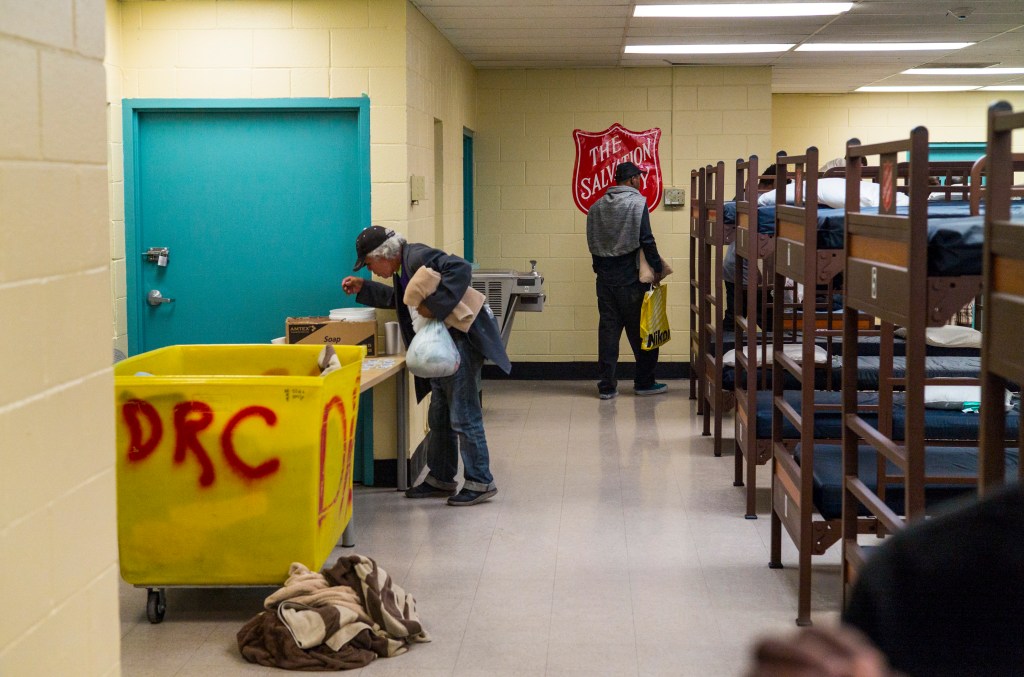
(953, 397)
(869, 196)
(948, 336)
(832, 192)
(794, 351)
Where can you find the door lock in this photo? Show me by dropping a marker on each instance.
(155, 298)
(158, 255)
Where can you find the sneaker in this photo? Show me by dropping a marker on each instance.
(424, 490)
(470, 497)
(611, 394)
(654, 389)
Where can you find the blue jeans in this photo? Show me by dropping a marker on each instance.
(457, 424)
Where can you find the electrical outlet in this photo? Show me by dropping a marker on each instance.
(675, 197)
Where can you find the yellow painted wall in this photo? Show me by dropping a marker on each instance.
(829, 121)
(263, 49)
(306, 48)
(58, 547)
(525, 155)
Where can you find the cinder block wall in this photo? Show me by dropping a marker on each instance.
(828, 122)
(441, 85)
(58, 548)
(525, 155)
(263, 49)
(306, 48)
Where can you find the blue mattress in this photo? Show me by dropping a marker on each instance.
(941, 424)
(938, 461)
(765, 217)
(869, 347)
(935, 367)
(955, 238)
(867, 372)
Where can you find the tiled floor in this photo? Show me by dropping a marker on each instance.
(615, 546)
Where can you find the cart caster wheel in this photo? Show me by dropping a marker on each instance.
(156, 605)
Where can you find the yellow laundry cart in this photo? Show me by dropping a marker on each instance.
(233, 461)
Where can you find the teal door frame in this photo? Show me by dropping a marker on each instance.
(468, 217)
(131, 108)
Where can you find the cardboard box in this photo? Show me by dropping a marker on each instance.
(325, 330)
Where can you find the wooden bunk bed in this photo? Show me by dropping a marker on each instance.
(892, 274)
(716, 236)
(752, 248)
(696, 287)
(798, 258)
(802, 420)
(1002, 362)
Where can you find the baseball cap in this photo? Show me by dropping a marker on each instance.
(369, 239)
(627, 170)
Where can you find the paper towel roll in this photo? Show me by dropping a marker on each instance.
(393, 339)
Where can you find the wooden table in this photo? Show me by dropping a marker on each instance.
(376, 370)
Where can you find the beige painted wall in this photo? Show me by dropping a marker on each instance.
(829, 121)
(441, 86)
(58, 548)
(384, 49)
(525, 155)
(263, 49)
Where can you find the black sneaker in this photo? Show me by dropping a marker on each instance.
(470, 497)
(608, 395)
(424, 490)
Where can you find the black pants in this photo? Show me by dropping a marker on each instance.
(619, 308)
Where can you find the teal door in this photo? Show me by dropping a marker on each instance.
(257, 203)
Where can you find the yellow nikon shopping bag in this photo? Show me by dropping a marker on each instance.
(654, 331)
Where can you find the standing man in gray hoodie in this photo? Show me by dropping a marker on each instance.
(618, 227)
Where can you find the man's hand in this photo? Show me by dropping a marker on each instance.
(424, 311)
(819, 652)
(351, 284)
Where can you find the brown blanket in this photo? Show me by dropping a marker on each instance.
(338, 620)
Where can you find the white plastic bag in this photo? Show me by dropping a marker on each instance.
(432, 352)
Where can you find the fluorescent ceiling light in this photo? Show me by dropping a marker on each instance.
(918, 88)
(705, 49)
(733, 11)
(964, 71)
(1003, 88)
(880, 46)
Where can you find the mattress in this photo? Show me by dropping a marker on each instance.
(938, 461)
(939, 424)
(765, 217)
(934, 367)
(867, 372)
(869, 346)
(955, 239)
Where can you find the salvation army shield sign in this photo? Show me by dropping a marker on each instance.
(597, 155)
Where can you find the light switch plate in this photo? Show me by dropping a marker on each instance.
(417, 188)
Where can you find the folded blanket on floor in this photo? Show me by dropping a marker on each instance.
(338, 620)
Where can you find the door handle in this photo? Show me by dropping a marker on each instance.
(155, 298)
